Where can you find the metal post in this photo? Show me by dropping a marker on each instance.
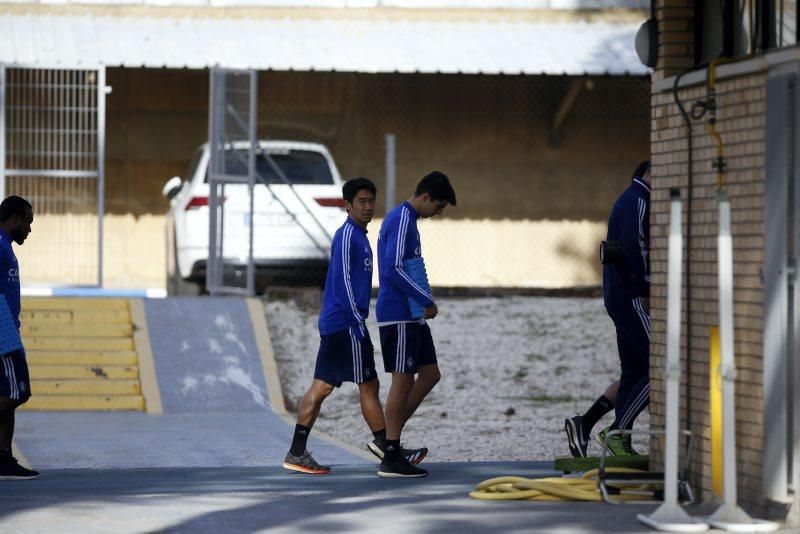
(670, 516)
(390, 170)
(251, 178)
(2, 131)
(729, 516)
(212, 186)
(101, 163)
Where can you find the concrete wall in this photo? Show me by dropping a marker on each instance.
(489, 133)
(466, 252)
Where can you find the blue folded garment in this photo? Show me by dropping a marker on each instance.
(9, 333)
(415, 268)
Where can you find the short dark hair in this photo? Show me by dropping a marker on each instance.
(14, 205)
(351, 188)
(437, 185)
(641, 169)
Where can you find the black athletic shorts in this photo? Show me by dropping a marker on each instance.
(342, 357)
(406, 346)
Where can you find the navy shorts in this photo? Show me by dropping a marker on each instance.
(406, 346)
(343, 358)
(14, 380)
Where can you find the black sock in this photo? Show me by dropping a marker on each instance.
(300, 440)
(600, 407)
(380, 434)
(392, 446)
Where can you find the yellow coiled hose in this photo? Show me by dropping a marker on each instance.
(513, 488)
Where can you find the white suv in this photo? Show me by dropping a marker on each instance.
(282, 249)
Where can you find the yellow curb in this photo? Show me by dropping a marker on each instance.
(270, 367)
(147, 367)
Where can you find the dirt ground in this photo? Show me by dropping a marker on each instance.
(512, 369)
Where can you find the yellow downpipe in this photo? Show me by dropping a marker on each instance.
(715, 407)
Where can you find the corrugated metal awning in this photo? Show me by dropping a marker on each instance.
(390, 45)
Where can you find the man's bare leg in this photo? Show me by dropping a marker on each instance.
(396, 404)
(371, 407)
(428, 376)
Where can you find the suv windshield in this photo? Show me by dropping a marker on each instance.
(299, 166)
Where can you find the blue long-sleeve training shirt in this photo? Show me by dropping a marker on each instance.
(9, 277)
(9, 297)
(348, 285)
(398, 241)
(629, 224)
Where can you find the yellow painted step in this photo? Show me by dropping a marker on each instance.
(74, 316)
(74, 357)
(71, 343)
(77, 330)
(41, 372)
(67, 303)
(86, 387)
(84, 402)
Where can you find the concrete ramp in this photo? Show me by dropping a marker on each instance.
(206, 355)
(213, 399)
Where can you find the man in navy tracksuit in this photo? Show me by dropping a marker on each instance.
(406, 341)
(626, 293)
(16, 217)
(345, 350)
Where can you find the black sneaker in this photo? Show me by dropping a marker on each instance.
(576, 439)
(378, 446)
(11, 470)
(305, 463)
(396, 466)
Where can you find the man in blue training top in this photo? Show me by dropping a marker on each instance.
(345, 350)
(16, 217)
(406, 340)
(626, 294)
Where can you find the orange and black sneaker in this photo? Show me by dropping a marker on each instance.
(305, 463)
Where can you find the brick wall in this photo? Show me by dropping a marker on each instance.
(675, 36)
(741, 124)
(741, 117)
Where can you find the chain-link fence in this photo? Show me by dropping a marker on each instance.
(536, 161)
(51, 153)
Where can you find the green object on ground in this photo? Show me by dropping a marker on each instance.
(618, 444)
(574, 465)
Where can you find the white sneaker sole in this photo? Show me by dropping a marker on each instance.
(374, 449)
(18, 478)
(573, 437)
(384, 474)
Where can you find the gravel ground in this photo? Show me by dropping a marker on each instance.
(512, 369)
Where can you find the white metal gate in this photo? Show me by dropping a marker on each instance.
(52, 128)
(232, 146)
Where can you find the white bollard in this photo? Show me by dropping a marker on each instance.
(670, 517)
(729, 516)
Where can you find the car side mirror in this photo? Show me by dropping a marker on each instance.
(172, 187)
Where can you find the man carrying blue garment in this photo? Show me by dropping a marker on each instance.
(16, 217)
(345, 350)
(404, 304)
